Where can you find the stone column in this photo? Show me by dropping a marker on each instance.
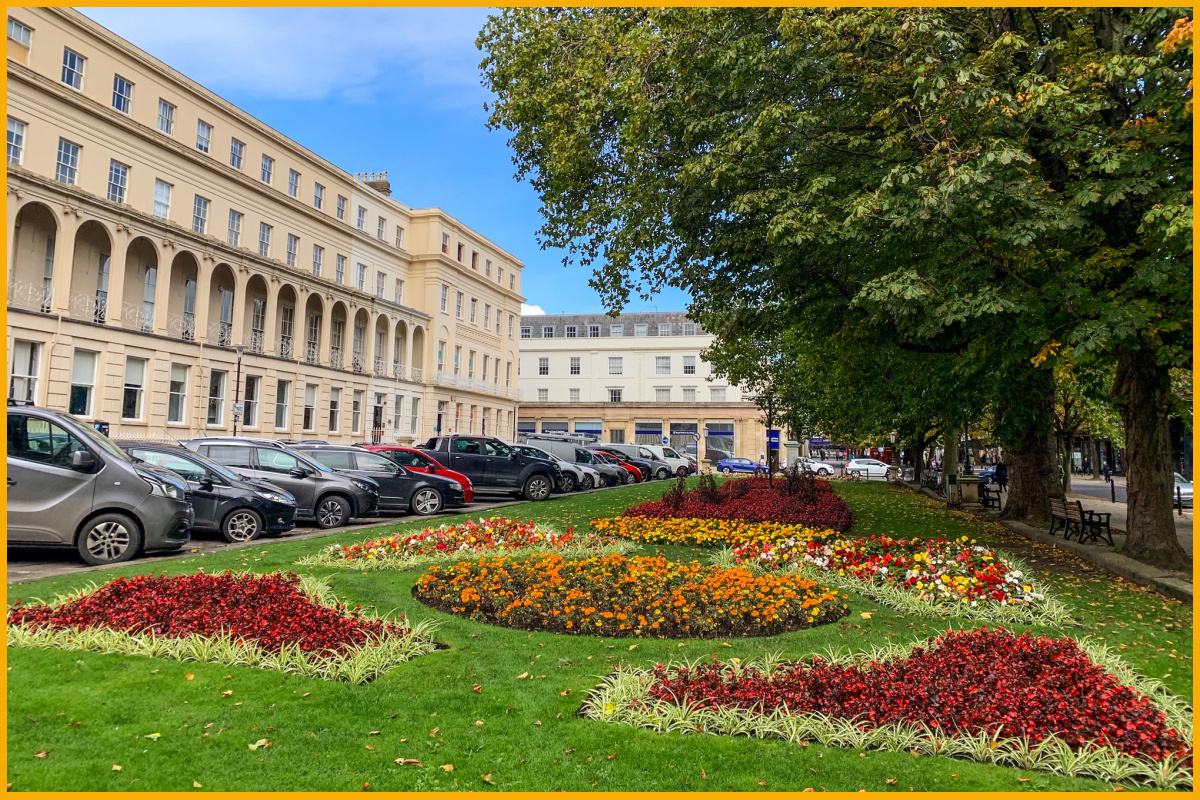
(64, 256)
(162, 289)
(116, 274)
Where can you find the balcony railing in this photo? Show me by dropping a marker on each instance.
(380, 367)
(472, 385)
(137, 317)
(398, 371)
(89, 306)
(312, 353)
(358, 362)
(285, 346)
(335, 357)
(182, 326)
(257, 342)
(416, 374)
(220, 334)
(33, 295)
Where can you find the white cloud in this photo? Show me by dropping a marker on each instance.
(352, 54)
(528, 310)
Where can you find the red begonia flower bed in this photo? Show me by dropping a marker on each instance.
(270, 610)
(756, 500)
(968, 681)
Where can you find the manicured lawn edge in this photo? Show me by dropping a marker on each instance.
(613, 701)
(357, 665)
(327, 557)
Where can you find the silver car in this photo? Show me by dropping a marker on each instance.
(1182, 491)
(69, 486)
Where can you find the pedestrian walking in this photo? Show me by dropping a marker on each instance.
(1107, 473)
(1002, 475)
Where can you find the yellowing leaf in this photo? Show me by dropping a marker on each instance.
(865, 615)
(154, 736)
(487, 778)
(259, 743)
(633, 647)
(196, 785)
(188, 677)
(116, 768)
(523, 676)
(447, 768)
(408, 762)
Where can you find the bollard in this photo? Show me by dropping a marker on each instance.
(1112, 485)
(1179, 500)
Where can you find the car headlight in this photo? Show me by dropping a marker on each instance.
(366, 487)
(164, 489)
(276, 497)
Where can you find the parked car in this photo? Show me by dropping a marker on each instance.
(576, 477)
(1182, 491)
(70, 486)
(608, 474)
(223, 501)
(416, 461)
(715, 455)
(680, 465)
(728, 466)
(399, 489)
(328, 497)
(638, 470)
(494, 467)
(866, 468)
(818, 467)
(658, 468)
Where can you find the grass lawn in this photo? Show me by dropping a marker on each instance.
(88, 712)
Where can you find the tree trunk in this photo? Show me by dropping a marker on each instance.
(1095, 458)
(1032, 453)
(1142, 389)
(950, 454)
(1065, 453)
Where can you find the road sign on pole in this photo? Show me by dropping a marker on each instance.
(772, 440)
(695, 436)
(666, 440)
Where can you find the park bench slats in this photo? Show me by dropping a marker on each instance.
(1072, 518)
(989, 498)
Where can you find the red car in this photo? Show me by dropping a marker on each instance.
(420, 462)
(620, 462)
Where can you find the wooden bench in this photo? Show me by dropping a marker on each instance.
(989, 498)
(1071, 518)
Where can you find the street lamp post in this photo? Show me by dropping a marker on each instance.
(237, 388)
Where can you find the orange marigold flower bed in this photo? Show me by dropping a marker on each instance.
(618, 595)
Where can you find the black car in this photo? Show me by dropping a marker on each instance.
(494, 467)
(242, 510)
(399, 489)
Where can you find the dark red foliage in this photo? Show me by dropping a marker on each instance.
(269, 610)
(755, 500)
(971, 681)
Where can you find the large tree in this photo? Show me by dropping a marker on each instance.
(980, 181)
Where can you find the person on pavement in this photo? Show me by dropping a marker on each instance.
(1002, 475)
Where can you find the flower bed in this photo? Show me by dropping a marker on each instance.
(464, 540)
(755, 500)
(706, 532)
(278, 621)
(985, 695)
(956, 577)
(619, 596)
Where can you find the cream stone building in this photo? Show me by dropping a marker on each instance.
(161, 241)
(633, 378)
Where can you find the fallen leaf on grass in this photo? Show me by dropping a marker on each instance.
(726, 644)
(564, 693)
(523, 676)
(633, 647)
(196, 785)
(890, 781)
(434, 732)
(154, 737)
(703, 774)
(116, 768)
(258, 744)
(74, 724)
(1022, 780)
(610, 757)
(477, 689)
(372, 733)
(865, 615)
(369, 747)
(537, 722)
(366, 787)
(447, 768)
(189, 677)
(408, 762)
(487, 779)
(761, 783)
(569, 751)
(209, 725)
(226, 693)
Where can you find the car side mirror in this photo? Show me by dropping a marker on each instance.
(433, 468)
(83, 460)
(401, 471)
(296, 472)
(514, 456)
(206, 484)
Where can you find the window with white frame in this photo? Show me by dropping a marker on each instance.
(414, 415)
(616, 330)
(250, 401)
(360, 282)
(616, 365)
(662, 394)
(471, 364)
(293, 183)
(547, 331)
(458, 304)
(356, 411)
(689, 329)
(689, 394)
(340, 270)
(216, 398)
(67, 169)
(510, 324)
(267, 174)
(594, 331)
(380, 284)
(689, 365)
(441, 356)
(118, 181)
(398, 414)
(459, 253)
(235, 228)
(264, 239)
(474, 306)
(237, 153)
(716, 394)
(662, 365)
(399, 297)
(318, 259)
(122, 99)
(474, 260)
(134, 390)
(177, 394)
(572, 331)
(446, 243)
(614, 395)
(162, 199)
(16, 141)
(512, 280)
(664, 329)
(457, 360)
(499, 274)
(283, 391)
(362, 218)
(573, 394)
(341, 208)
(640, 329)
(526, 332)
(445, 296)
(543, 395)
(72, 71)
(26, 363)
(310, 407)
(318, 196)
(487, 267)
(83, 383)
(381, 229)
(575, 365)
(203, 136)
(543, 366)
(399, 236)
(487, 315)
(200, 214)
(21, 34)
(293, 247)
(166, 117)
(335, 409)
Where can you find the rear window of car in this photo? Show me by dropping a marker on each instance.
(334, 459)
(407, 459)
(229, 455)
(467, 446)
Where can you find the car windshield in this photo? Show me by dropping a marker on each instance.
(1180, 479)
(212, 466)
(99, 439)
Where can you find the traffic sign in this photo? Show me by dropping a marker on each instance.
(695, 436)
(772, 440)
(666, 440)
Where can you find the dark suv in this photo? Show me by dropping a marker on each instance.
(223, 500)
(495, 467)
(71, 486)
(399, 489)
(331, 498)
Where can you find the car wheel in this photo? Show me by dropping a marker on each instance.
(242, 525)
(568, 483)
(663, 473)
(628, 478)
(537, 488)
(601, 481)
(726, 471)
(587, 483)
(332, 511)
(109, 539)
(426, 501)
(824, 472)
(682, 472)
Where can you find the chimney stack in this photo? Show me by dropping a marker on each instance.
(376, 180)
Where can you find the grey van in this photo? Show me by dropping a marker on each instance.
(662, 470)
(70, 486)
(329, 497)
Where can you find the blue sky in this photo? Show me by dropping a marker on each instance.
(393, 89)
